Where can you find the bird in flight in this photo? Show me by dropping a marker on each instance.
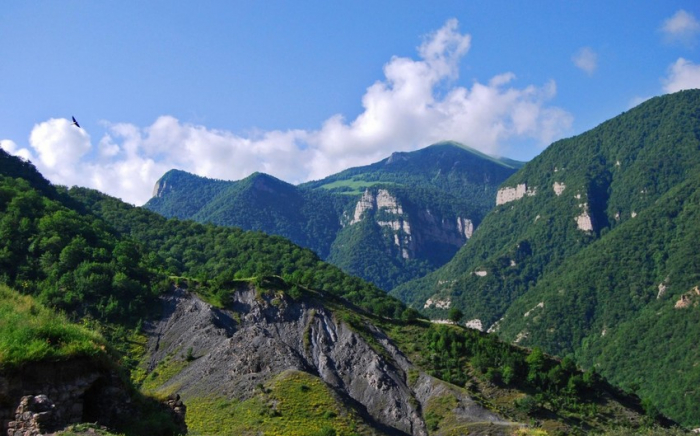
(75, 123)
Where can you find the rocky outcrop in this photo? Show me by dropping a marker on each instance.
(35, 415)
(688, 299)
(558, 188)
(262, 335)
(411, 235)
(160, 188)
(508, 194)
(584, 221)
(439, 304)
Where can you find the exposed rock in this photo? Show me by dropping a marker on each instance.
(160, 188)
(540, 305)
(506, 195)
(466, 412)
(439, 304)
(481, 273)
(465, 226)
(584, 221)
(365, 203)
(683, 302)
(495, 326)
(522, 335)
(474, 324)
(35, 415)
(178, 411)
(432, 231)
(662, 290)
(388, 202)
(558, 188)
(249, 344)
(688, 299)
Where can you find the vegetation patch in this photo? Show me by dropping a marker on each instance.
(165, 370)
(438, 409)
(354, 186)
(30, 332)
(292, 404)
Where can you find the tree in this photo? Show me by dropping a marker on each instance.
(455, 315)
(535, 363)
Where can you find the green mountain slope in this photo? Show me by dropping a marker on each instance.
(628, 304)
(560, 214)
(416, 209)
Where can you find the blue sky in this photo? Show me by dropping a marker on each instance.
(304, 89)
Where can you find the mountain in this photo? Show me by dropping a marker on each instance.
(588, 251)
(252, 333)
(410, 212)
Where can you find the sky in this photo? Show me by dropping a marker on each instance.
(301, 90)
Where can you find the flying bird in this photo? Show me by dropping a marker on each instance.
(75, 123)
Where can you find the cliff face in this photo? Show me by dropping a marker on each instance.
(261, 336)
(413, 234)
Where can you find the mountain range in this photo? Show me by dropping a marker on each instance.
(388, 222)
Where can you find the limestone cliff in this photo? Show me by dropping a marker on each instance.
(413, 234)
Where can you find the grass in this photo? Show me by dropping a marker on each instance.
(30, 332)
(168, 368)
(86, 429)
(294, 403)
(438, 409)
(355, 186)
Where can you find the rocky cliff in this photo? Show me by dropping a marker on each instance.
(414, 235)
(234, 352)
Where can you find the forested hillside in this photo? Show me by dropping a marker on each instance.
(580, 244)
(628, 304)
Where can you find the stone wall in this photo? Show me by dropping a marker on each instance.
(43, 397)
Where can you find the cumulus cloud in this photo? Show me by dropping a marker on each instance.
(682, 74)
(416, 104)
(586, 59)
(12, 148)
(682, 27)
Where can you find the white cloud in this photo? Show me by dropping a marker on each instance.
(12, 148)
(682, 74)
(416, 104)
(681, 27)
(586, 59)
